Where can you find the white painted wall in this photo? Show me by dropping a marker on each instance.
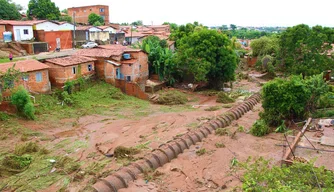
(66, 27)
(47, 26)
(94, 29)
(21, 29)
(110, 30)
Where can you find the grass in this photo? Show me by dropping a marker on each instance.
(222, 131)
(213, 108)
(6, 60)
(224, 98)
(220, 145)
(201, 152)
(172, 97)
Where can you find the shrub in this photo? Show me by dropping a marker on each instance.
(224, 98)
(3, 116)
(116, 94)
(172, 97)
(21, 100)
(14, 164)
(260, 128)
(293, 98)
(66, 98)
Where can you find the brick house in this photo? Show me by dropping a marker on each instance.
(82, 13)
(67, 68)
(36, 78)
(119, 62)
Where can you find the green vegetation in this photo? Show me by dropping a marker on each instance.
(161, 60)
(222, 131)
(125, 152)
(201, 152)
(293, 98)
(93, 18)
(224, 98)
(260, 128)
(207, 55)
(21, 99)
(43, 9)
(29, 147)
(172, 97)
(220, 145)
(260, 175)
(9, 11)
(213, 108)
(265, 46)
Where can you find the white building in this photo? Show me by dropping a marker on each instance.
(45, 25)
(107, 28)
(64, 26)
(21, 30)
(88, 28)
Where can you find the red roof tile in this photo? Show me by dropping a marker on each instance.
(119, 47)
(70, 60)
(99, 52)
(24, 65)
(85, 27)
(22, 23)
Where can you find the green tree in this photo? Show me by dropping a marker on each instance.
(20, 98)
(303, 50)
(137, 23)
(93, 18)
(43, 9)
(173, 26)
(207, 55)
(161, 60)
(224, 27)
(64, 11)
(97, 23)
(65, 18)
(9, 77)
(233, 27)
(265, 46)
(9, 11)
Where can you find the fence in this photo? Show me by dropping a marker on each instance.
(131, 89)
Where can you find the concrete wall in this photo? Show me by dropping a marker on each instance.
(46, 26)
(94, 29)
(100, 36)
(59, 74)
(82, 13)
(20, 30)
(110, 30)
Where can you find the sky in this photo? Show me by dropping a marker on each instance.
(213, 12)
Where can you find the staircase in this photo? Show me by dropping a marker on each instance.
(17, 46)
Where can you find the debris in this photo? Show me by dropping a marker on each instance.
(329, 141)
(326, 122)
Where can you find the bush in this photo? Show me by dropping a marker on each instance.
(21, 100)
(293, 98)
(3, 116)
(29, 147)
(66, 98)
(116, 94)
(260, 128)
(14, 164)
(172, 98)
(326, 100)
(224, 98)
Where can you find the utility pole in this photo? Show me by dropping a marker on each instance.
(131, 34)
(74, 42)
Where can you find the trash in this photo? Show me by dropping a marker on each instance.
(326, 122)
(53, 170)
(52, 161)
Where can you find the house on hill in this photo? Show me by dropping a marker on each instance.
(117, 62)
(70, 68)
(21, 30)
(36, 75)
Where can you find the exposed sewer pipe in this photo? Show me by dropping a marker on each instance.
(170, 150)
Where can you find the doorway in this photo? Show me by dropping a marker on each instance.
(17, 35)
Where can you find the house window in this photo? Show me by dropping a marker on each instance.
(38, 77)
(128, 78)
(101, 9)
(25, 31)
(74, 70)
(90, 68)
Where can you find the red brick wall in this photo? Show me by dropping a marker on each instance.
(65, 39)
(100, 68)
(2, 29)
(28, 47)
(59, 74)
(82, 13)
(39, 35)
(251, 61)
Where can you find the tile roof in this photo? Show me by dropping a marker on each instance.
(119, 47)
(23, 23)
(103, 27)
(70, 60)
(85, 27)
(24, 65)
(135, 34)
(99, 52)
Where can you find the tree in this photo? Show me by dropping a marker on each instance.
(97, 23)
(207, 56)
(137, 23)
(173, 26)
(160, 58)
(9, 77)
(224, 28)
(233, 27)
(93, 18)
(265, 46)
(9, 11)
(21, 100)
(43, 9)
(65, 18)
(124, 24)
(303, 50)
(64, 11)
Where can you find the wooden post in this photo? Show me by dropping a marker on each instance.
(296, 141)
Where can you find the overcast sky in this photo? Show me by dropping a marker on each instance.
(214, 12)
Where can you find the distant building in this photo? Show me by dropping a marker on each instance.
(82, 13)
(21, 30)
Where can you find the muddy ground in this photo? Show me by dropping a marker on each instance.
(90, 138)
